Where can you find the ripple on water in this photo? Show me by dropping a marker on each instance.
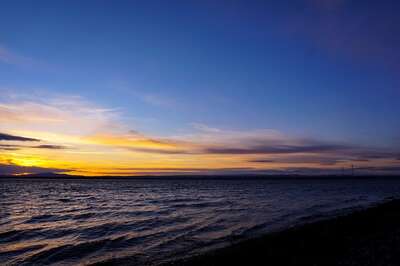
(53, 221)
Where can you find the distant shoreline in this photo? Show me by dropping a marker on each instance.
(364, 237)
(202, 177)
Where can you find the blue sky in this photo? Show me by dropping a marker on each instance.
(323, 69)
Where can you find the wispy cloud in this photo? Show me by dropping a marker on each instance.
(8, 137)
(50, 147)
(15, 147)
(278, 149)
(205, 128)
(9, 147)
(88, 139)
(355, 155)
(63, 115)
(321, 159)
(133, 140)
(19, 139)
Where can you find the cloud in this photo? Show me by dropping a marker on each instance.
(251, 171)
(395, 168)
(177, 169)
(135, 141)
(154, 171)
(8, 147)
(205, 128)
(351, 154)
(354, 154)
(49, 146)
(158, 151)
(320, 159)
(48, 116)
(312, 171)
(12, 147)
(69, 121)
(209, 141)
(277, 149)
(369, 154)
(8, 137)
(263, 161)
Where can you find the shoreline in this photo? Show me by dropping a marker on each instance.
(280, 177)
(368, 236)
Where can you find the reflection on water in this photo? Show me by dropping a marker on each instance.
(135, 221)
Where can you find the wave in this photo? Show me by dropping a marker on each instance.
(54, 222)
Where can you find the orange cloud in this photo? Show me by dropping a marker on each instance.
(81, 138)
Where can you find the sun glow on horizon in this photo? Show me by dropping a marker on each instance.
(88, 140)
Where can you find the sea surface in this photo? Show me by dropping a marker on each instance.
(83, 222)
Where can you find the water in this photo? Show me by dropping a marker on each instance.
(72, 222)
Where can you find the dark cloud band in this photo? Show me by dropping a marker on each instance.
(8, 137)
(10, 147)
(278, 149)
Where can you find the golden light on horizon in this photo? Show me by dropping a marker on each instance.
(79, 138)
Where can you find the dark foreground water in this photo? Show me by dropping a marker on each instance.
(72, 222)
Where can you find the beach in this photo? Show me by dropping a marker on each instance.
(365, 237)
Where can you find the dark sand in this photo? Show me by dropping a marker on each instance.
(366, 237)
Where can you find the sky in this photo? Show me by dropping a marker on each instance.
(199, 87)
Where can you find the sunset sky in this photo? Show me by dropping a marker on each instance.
(199, 87)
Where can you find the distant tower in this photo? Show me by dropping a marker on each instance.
(352, 170)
